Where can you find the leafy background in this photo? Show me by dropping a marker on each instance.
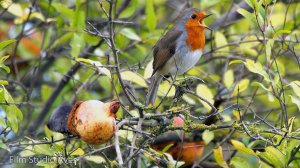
(244, 92)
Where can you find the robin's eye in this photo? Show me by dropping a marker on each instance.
(193, 16)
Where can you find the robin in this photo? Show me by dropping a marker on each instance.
(181, 147)
(92, 121)
(179, 49)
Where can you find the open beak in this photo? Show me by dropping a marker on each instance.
(205, 25)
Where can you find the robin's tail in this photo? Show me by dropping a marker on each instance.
(155, 81)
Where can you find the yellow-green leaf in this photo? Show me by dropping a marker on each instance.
(296, 101)
(218, 155)
(296, 87)
(291, 122)
(238, 162)
(269, 47)
(274, 156)
(221, 42)
(133, 77)
(249, 16)
(235, 62)
(4, 146)
(164, 88)
(241, 147)
(207, 136)
(97, 64)
(3, 82)
(228, 78)
(96, 159)
(257, 68)
(241, 86)
(16, 9)
(5, 3)
(77, 152)
(148, 70)
(203, 91)
(77, 43)
(5, 43)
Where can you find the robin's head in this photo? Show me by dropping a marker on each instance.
(192, 18)
(195, 18)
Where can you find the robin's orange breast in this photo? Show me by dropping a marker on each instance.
(196, 37)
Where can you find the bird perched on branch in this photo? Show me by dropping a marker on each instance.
(179, 49)
(179, 146)
(92, 121)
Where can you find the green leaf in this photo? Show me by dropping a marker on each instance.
(166, 148)
(13, 114)
(269, 47)
(260, 85)
(2, 59)
(27, 152)
(221, 41)
(274, 156)
(77, 43)
(280, 32)
(218, 155)
(3, 44)
(130, 9)
(130, 33)
(62, 40)
(241, 86)
(228, 78)
(296, 101)
(55, 135)
(291, 145)
(241, 147)
(46, 92)
(92, 40)
(2, 122)
(64, 10)
(257, 68)
(3, 82)
(12, 117)
(4, 146)
(249, 16)
(203, 91)
(235, 62)
(207, 136)
(150, 15)
(238, 162)
(296, 87)
(43, 149)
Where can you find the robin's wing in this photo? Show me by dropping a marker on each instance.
(165, 48)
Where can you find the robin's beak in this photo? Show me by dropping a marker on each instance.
(206, 17)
